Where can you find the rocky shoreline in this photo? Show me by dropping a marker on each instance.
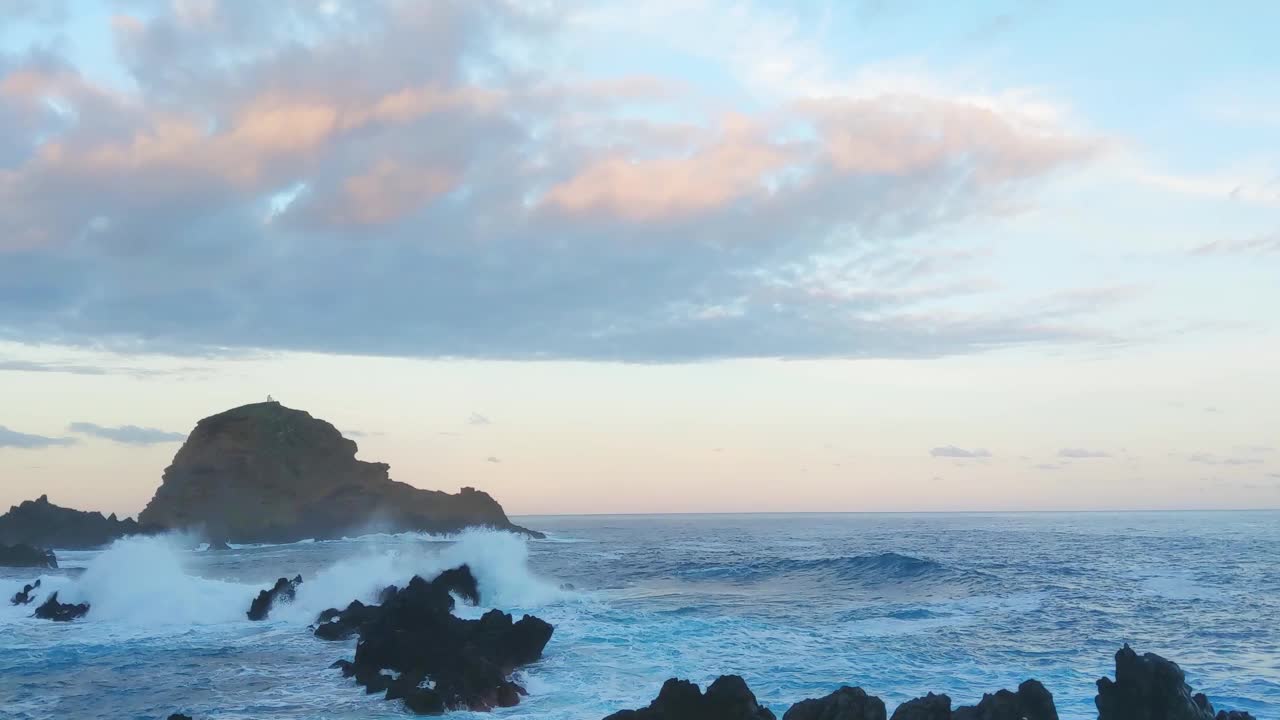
(1146, 687)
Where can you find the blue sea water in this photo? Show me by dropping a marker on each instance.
(796, 604)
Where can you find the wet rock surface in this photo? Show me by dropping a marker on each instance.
(412, 647)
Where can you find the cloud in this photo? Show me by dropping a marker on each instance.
(14, 439)
(1258, 245)
(1082, 453)
(951, 451)
(1211, 459)
(127, 434)
(478, 419)
(473, 201)
(492, 459)
(1048, 466)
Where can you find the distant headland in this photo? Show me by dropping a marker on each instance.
(265, 473)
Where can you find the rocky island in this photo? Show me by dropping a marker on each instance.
(26, 556)
(41, 523)
(268, 473)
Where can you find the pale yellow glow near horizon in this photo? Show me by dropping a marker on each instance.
(740, 436)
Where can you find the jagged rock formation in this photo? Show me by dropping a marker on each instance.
(413, 647)
(844, 704)
(283, 591)
(23, 596)
(728, 698)
(929, 707)
(1031, 702)
(1146, 687)
(51, 609)
(41, 523)
(1149, 687)
(26, 556)
(268, 473)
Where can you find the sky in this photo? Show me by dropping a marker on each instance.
(674, 256)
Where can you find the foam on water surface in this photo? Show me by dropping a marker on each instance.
(797, 605)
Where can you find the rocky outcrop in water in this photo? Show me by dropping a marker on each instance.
(41, 523)
(51, 609)
(1031, 702)
(283, 591)
(268, 473)
(844, 704)
(414, 649)
(1146, 687)
(929, 707)
(23, 596)
(1149, 687)
(728, 698)
(26, 556)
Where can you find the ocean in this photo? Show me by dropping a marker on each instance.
(797, 604)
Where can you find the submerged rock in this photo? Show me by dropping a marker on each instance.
(26, 556)
(1031, 702)
(51, 609)
(268, 473)
(283, 591)
(179, 716)
(414, 649)
(40, 522)
(23, 597)
(728, 698)
(847, 703)
(1149, 687)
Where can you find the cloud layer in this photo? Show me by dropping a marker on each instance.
(127, 434)
(14, 439)
(402, 179)
(951, 451)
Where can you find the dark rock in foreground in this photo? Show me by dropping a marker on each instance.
(40, 522)
(23, 597)
(1149, 687)
(26, 556)
(51, 609)
(283, 591)
(1031, 702)
(929, 707)
(413, 637)
(728, 698)
(1146, 687)
(268, 473)
(844, 704)
(179, 716)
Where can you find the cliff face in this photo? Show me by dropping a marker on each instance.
(268, 473)
(41, 523)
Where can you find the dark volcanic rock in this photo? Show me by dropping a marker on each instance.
(844, 704)
(26, 556)
(23, 597)
(1031, 702)
(41, 523)
(1149, 687)
(929, 707)
(412, 637)
(51, 609)
(268, 473)
(283, 591)
(728, 698)
(179, 716)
